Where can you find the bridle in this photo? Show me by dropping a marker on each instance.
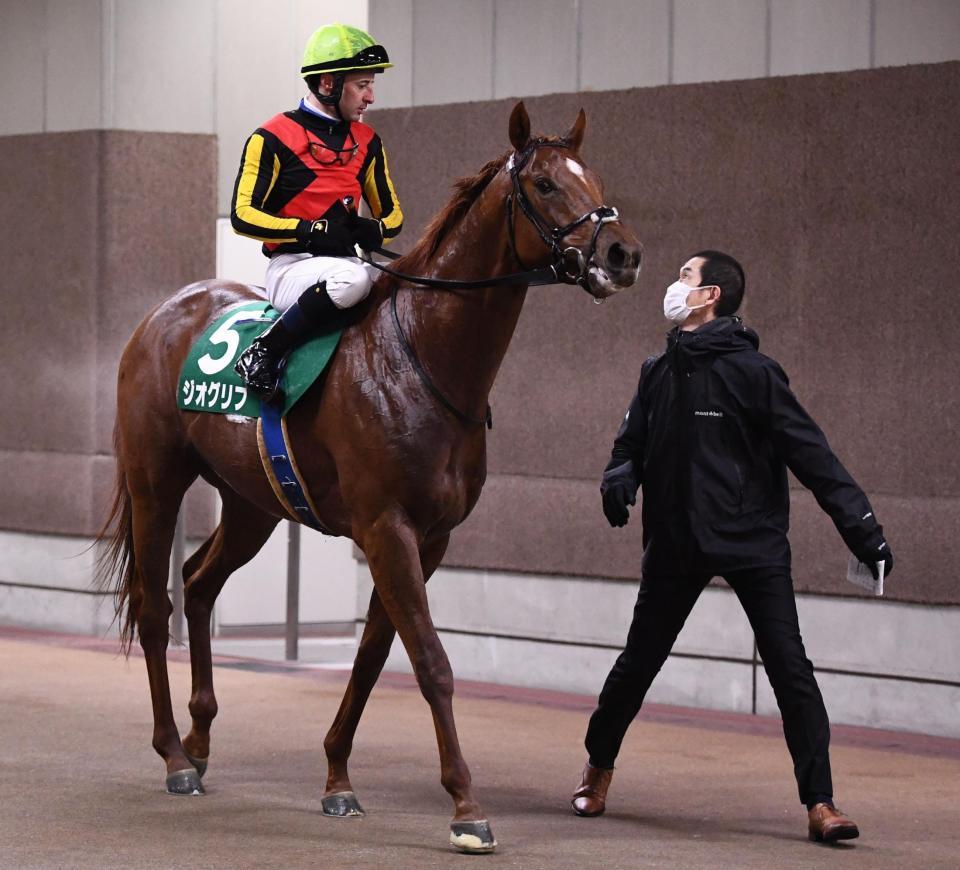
(552, 237)
(569, 264)
(558, 272)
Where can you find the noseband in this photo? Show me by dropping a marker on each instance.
(553, 237)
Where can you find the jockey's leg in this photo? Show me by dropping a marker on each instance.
(312, 294)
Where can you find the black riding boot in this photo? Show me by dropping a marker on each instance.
(260, 366)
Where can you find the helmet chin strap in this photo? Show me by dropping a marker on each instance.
(336, 93)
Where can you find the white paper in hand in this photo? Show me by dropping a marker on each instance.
(859, 574)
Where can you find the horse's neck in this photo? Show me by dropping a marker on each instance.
(462, 336)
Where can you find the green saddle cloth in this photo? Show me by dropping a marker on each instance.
(208, 381)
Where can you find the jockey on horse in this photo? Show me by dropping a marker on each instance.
(300, 179)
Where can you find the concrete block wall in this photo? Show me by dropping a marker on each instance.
(453, 52)
(224, 66)
(221, 67)
(564, 634)
(90, 262)
(535, 589)
(104, 225)
(217, 67)
(121, 126)
(841, 245)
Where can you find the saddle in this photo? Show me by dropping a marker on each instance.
(209, 384)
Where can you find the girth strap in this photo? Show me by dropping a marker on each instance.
(276, 456)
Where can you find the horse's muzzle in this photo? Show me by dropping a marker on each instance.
(619, 270)
(601, 285)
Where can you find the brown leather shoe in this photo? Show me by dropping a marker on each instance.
(828, 824)
(590, 799)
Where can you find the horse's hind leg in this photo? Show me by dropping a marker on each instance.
(378, 634)
(339, 798)
(242, 532)
(155, 499)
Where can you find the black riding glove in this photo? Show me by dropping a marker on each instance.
(367, 233)
(874, 550)
(326, 237)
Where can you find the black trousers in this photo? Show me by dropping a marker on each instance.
(662, 607)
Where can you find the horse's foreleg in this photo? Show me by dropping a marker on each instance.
(242, 532)
(391, 549)
(339, 798)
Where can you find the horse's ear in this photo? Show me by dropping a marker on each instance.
(575, 136)
(519, 127)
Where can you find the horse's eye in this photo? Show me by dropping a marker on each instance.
(544, 185)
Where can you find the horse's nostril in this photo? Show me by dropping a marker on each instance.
(616, 256)
(623, 258)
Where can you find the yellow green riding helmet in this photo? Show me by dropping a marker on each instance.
(340, 48)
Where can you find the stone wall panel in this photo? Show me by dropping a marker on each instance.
(836, 191)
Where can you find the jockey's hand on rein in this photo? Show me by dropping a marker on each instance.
(367, 233)
(330, 237)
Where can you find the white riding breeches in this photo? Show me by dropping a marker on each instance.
(348, 279)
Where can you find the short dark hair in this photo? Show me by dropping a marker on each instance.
(726, 273)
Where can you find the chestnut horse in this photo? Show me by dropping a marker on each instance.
(387, 462)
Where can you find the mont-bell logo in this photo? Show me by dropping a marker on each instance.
(708, 413)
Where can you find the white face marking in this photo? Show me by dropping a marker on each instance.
(575, 167)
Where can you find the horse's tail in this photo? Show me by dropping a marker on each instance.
(116, 564)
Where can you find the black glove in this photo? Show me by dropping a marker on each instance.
(876, 549)
(327, 237)
(617, 493)
(367, 233)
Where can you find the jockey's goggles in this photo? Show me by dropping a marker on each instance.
(327, 156)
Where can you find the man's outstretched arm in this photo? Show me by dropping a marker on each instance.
(803, 446)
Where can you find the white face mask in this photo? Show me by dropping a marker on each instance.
(675, 307)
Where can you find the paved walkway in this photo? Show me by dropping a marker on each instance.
(82, 787)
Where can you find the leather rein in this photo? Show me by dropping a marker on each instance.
(559, 271)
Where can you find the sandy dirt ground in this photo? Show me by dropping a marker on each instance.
(82, 787)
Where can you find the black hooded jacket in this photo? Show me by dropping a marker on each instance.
(709, 436)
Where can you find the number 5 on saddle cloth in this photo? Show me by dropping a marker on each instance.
(209, 384)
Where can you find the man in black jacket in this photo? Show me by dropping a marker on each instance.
(709, 435)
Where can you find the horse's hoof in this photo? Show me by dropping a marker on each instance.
(184, 782)
(199, 763)
(475, 838)
(341, 805)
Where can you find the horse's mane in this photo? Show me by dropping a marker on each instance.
(466, 190)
